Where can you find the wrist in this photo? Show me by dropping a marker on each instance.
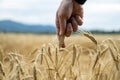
(77, 4)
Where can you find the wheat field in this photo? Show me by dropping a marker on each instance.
(38, 57)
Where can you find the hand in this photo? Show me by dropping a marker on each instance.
(68, 17)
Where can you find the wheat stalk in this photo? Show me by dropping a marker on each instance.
(74, 55)
(35, 71)
(1, 55)
(2, 70)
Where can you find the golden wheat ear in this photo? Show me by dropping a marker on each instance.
(90, 37)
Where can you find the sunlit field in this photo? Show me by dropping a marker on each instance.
(38, 57)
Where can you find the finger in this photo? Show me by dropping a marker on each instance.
(69, 30)
(74, 24)
(79, 20)
(57, 26)
(62, 23)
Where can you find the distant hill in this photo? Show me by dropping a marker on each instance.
(12, 26)
(16, 27)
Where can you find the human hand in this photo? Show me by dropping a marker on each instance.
(68, 17)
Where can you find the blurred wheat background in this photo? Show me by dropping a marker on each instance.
(38, 57)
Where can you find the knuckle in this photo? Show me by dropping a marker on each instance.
(61, 33)
(61, 15)
(75, 27)
(68, 32)
(75, 30)
(68, 35)
(81, 23)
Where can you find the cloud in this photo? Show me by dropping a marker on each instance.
(30, 11)
(104, 16)
(105, 8)
(27, 4)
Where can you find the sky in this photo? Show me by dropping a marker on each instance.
(98, 14)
